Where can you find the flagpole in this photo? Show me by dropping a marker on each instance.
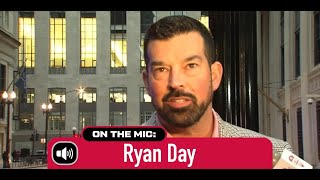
(13, 80)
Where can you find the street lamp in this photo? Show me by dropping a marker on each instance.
(43, 140)
(311, 97)
(74, 131)
(80, 91)
(8, 100)
(46, 110)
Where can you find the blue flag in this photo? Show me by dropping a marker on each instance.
(21, 83)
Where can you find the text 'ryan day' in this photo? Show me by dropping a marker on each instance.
(146, 155)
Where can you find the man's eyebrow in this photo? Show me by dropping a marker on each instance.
(193, 58)
(161, 63)
(156, 63)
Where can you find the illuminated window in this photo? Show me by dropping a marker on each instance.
(57, 94)
(27, 40)
(144, 96)
(118, 94)
(118, 60)
(146, 107)
(30, 95)
(141, 46)
(57, 42)
(89, 95)
(57, 114)
(117, 106)
(87, 107)
(88, 40)
(204, 18)
(119, 51)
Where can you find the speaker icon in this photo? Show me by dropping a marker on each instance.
(64, 153)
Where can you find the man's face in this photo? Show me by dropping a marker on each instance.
(179, 79)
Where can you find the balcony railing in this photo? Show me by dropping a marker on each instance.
(57, 70)
(88, 70)
(118, 70)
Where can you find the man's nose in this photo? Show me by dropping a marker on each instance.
(176, 79)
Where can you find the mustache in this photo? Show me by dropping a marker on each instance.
(178, 93)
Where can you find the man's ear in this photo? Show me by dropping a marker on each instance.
(145, 80)
(216, 74)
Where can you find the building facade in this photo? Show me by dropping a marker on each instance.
(289, 72)
(100, 51)
(8, 62)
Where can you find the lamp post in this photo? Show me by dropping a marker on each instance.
(8, 100)
(60, 120)
(46, 109)
(43, 140)
(80, 91)
(313, 120)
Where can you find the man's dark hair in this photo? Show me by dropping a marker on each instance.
(170, 26)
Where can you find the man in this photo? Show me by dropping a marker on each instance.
(4, 159)
(181, 76)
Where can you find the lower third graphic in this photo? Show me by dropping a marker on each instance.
(64, 153)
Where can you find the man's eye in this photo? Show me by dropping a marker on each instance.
(192, 65)
(160, 69)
